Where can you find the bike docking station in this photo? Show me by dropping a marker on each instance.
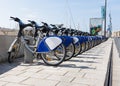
(54, 44)
(28, 54)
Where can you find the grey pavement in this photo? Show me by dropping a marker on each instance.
(116, 63)
(117, 44)
(87, 69)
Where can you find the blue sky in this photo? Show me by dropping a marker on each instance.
(57, 12)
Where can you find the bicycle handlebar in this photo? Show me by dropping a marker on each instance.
(45, 24)
(21, 25)
(33, 22)
(15, 19)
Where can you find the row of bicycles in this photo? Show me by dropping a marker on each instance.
(50, 42)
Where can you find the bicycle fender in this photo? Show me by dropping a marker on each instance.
(81, 39)
(48, 44)
(53, 42)
(75, 40)
(67, 40)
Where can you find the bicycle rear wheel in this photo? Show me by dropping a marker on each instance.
(54, 57)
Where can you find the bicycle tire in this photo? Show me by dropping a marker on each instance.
(58, 55)
(13, 54)
(78, 49)
(70, 50)
(87, 46)
(83, 47)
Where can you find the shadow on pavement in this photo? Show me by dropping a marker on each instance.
(74, 66)
(4, 67)
(89, 57)
(96, 55)
(34, 64)
(72, 60)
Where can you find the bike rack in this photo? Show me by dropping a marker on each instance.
(28, 53)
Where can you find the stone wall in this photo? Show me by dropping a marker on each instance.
(7, 36)
(5, 41)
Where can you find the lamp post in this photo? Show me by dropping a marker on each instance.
(105, 18)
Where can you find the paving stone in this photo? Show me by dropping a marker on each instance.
(98, 83)
(98, 76)
(54, 72)
(70, 84)
(116, 69)
(20, 68)
(50, 68)
(11, 78)
(93, 71)
(3, 83)
(34, 70)
(87, 81)
(35, 66)
(40, 82)
(3, 75)
(116, 73)
(77, 67)
(61, 78)
(116, 77)
(26, 74)
(15, 84)
(116, 83)
(70, 69)
(14, 72)
(87, 70)
(40, 76)
(79, 74)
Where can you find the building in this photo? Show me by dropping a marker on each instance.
(116, 34)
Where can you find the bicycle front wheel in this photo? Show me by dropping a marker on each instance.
(54, 57)
(14, 52)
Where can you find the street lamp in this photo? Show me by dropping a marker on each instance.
(105, 18)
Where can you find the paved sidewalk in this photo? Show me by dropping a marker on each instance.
(117, 44)
(88, 69)
(116, 64)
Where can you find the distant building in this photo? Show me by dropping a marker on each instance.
(116, 34)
